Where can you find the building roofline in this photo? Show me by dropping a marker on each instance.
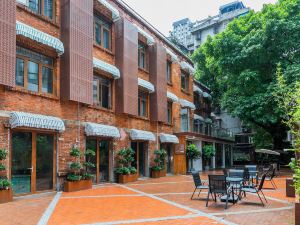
(153, 29)
(201, 84)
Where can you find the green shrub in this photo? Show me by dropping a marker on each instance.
(125, 158)
(123, 170)
(87, 176)
(2, 167)
(75, 152)
(3, 154)
(192, 152)
(208, 152)
(73, 177)
(4, 184)
(159, 160)
(75, 166)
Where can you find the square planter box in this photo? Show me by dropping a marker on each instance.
(297, 213)
(155, 173)
(70, 186)
(123, 179)
(6, 196)
(163, 173)
(290, 189)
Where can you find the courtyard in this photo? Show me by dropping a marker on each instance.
(164, 200)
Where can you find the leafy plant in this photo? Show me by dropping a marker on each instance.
(2, 167)
(159, 160)
(208, 152)
(125, 158)
(89, 154)
(75, 152)
(4, 182)
(73, 177)
(75, 165)
(3, 154)
(192, 152)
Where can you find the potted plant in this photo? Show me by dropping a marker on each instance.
(77, 181)
(208, 152)
(158, 170)
(126, 173)
(192, 153)
(5, 184)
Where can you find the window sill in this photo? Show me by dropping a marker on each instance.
(101, 108)
(185, 91)
(144, 70)
(44, 18)
(44, 95)
(104, 49)
(170, 84)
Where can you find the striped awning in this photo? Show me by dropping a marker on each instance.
(206, 95)
(23, 119)
(187, 104)
(197, 89)
(197, 117)
(141, 135)
(172, 96)
(115, 13)
(111, 69)
(187, 67)
(146, 84)
(95, 129)
(208, 120)
(168, 138)
(150, 39)
(172, 54)
(39, 36)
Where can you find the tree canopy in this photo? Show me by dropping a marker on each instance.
(241, 65)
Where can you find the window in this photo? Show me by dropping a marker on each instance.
(42, 7)
(184, 116)
(143, 104)
(34, 71)
(184, 81)
(143, 57)
(102, 92)
(197, 100)
(170, 113)
(102, 33)
(169, 72)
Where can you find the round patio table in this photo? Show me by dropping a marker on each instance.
(235, 181)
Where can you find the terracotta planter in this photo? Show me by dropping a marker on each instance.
(155, 173)
(70, 186)
(163, 173)
(123, 179)
(6, 196)
(290, 189)
(297, 213)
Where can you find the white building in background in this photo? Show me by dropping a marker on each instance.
(192, 34)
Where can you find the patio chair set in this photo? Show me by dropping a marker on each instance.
(234, 184)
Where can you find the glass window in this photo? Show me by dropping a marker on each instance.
(143, 104)
(33, 76)
(169, 72)
(20, 72)
(42, 7)
(184, 81)
(34, 5)
(102, 33)
(48, 8)
(102, 92)
(170, 112)
(47, 80)
(184, 115)
(142, 57)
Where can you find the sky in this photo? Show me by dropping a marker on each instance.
(162, 13)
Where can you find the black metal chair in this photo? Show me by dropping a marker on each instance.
(218, 187)
(199, 185)
(235, 173)
(269, 177)
(256, 190)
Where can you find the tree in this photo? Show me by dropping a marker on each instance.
(240, 65)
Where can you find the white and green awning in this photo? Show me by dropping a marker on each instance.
(150, 39)
(95, 129)
(168, 138)
(111, 69)
(142, 135)
(172, 54)
(115, 12)
(172, 97)
(206, 95)
(187, 104)
(197, 89)
(197, 117)
(146, 85)
(187, 67)
(23, 119)
(39, 36)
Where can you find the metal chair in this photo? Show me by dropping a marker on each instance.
(235, 173)
(218, 187)
(198, 184)
(256, 190)
(270, 176)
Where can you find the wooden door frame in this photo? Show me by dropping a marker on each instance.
(146, 163)
(34, 133)
(110, 145)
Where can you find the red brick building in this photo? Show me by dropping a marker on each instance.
(92, 74)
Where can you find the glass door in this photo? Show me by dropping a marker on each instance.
(141, 159)
(92, 145)
(104, 160)
(169, 158)
(21, 171)
(44, 162)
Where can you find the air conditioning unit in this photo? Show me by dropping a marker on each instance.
(23, 2)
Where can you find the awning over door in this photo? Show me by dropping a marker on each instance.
(146, 84)
(111, 69)
(95, 129)
(172, 96)
(141, 135)
(115, 13)
(39, 36)
(168, 138)
(23, 119)
(186, 103)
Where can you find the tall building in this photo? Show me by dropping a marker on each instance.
(92, 75)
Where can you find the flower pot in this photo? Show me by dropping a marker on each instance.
(163, 173)
(123, 179)
(297, 213)
(290, 189)
(70, 186)
(155, 173)
(6, 196)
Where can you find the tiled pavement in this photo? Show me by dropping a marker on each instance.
(152, 201)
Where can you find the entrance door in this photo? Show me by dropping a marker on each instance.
(140, 157)
(32, 162)
(169, 160)
(104, 160)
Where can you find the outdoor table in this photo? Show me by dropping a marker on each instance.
(234, 181)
